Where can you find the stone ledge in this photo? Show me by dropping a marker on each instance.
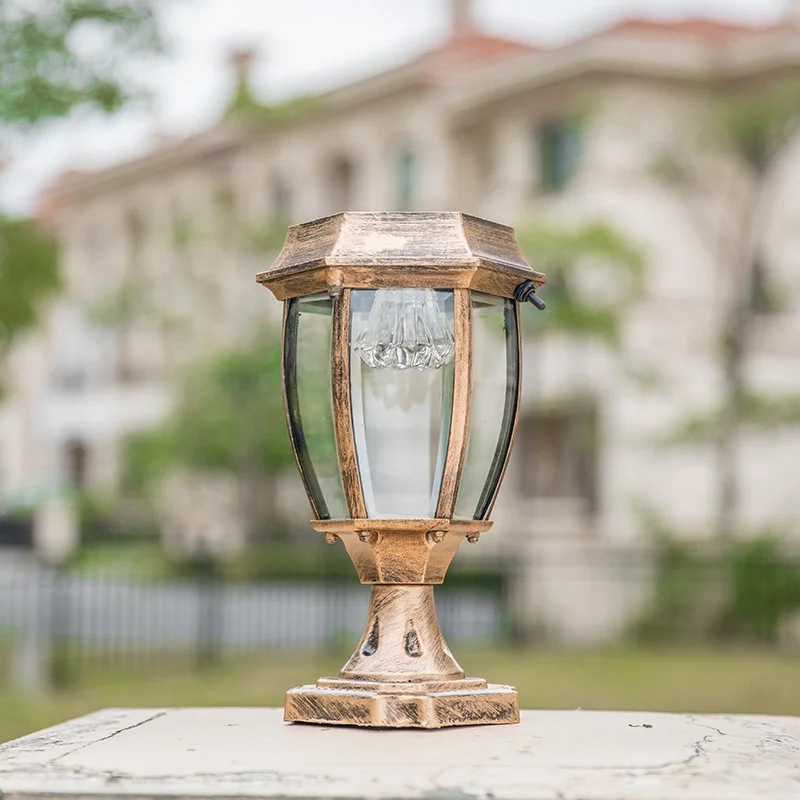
(250, 752)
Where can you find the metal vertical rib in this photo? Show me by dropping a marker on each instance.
(342, 408)
(462, 398)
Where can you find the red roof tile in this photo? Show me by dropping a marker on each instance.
(707, 29)
(469, 50)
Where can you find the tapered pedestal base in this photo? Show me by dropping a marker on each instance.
(337, 701)
(402, 675)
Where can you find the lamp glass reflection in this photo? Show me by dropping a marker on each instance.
(401, 374)
(307, 383)
(493, 405)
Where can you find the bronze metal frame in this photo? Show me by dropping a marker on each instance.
(401, 674)
(462, 399)
(357, 250)
(342, 416)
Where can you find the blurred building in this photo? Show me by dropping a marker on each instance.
(159, 255)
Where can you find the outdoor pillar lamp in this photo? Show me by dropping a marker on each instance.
(401, 377)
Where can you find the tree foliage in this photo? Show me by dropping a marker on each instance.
(248, 110)
(228, 416)
(28, 272)
(763, 590)
(755, 126)
(759, 413)
(574, 304)
(56, 55)
(731, 173)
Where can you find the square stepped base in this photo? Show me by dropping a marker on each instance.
(337, 701)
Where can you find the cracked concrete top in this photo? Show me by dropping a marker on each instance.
(250, 753)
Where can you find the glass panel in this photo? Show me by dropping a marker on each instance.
(401, 379)
(307, 369)
(495, 376)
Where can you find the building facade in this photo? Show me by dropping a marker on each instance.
(159, 255)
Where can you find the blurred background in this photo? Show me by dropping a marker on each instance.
(154, 538)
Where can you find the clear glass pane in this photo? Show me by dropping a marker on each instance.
(495, 376)
(401, 378)
(307, 366)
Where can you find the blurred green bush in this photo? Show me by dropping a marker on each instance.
(742, 593)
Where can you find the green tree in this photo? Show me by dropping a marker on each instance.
(28, 272)
(229, 417)
(727, 181)
(44, 74)
(575, 303)
(56, 55)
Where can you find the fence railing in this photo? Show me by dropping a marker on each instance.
(120, 620)
(562, 597)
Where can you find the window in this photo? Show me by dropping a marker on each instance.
(135, 234)
(280, 200)
(225, 210)
(225, 205)
(77, 458)
(16, 530)
(342, 181)
(406, 179)
(558, 451)
(559, 145)
(182, 229)
(96, 247)
(763, 297)
(486, 158)
(80, 346)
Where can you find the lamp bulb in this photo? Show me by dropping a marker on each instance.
(406, 329)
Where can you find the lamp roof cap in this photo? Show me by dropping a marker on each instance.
(386, 249)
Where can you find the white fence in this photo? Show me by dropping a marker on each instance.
(123, 615)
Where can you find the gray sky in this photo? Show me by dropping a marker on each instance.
(306, 45)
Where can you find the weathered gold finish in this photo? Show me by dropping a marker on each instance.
(358, 250)
(386, 705)
(402, 638)
(424, 525)
(401, 550)
(462, 399)
(402, 673)
(342, 416)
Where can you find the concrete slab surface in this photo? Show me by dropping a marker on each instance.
(251, 753)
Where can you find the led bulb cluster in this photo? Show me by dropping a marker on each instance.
(406, 329)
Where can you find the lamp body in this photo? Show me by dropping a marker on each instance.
(401, 358)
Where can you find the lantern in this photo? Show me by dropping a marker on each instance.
(401, 375)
